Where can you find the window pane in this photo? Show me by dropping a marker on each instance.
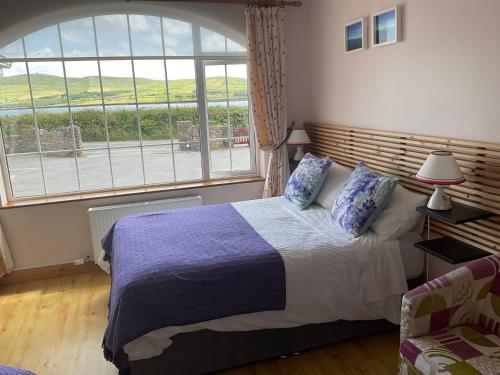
(127, 166)
(25, 175)
(212, 41)
(240, 141)
(220, 157)
(78, 38)
(117, 81)
(83, 82)
(237, 81)
(240, 154)
(47, 83)
(150, 81)
(60, 172)
(13, 50)
(14, 87)
(215, 82)
(90, 124)
(94, 169)
(178, 38)
(158, 164)
(43, 43)
(238, 120)
(112, 35)
(187, 161)
(232, 46)
(18, 131)
(122, 125)
(146, 35)
(181, 80)
(54, 129)
(185, 123)
(155, 125)
(218, 120)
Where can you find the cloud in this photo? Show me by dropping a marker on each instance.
(52, 68)
(74, 31)
(43, 52)
(144, 24)
(111, 22)
(15, 70)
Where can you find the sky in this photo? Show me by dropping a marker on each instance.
(354, 31)
(78, 40)
(387, 21)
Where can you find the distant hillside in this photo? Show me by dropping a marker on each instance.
(50, 90)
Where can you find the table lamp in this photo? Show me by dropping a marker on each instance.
(441, 169)
(299, 138)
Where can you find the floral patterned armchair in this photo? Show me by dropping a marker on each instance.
(451, 325)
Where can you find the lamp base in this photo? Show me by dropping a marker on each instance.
(439, 200)
(299, 154)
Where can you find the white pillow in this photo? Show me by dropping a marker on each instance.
(336, 177)
(400, 215)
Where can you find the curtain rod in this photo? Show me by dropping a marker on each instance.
(280, 3)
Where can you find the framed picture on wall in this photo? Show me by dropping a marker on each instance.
(386, 27)
(355, 36)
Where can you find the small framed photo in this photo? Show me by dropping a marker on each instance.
(355, 36)
(386, 27)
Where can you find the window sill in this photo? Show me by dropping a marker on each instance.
(131, 191)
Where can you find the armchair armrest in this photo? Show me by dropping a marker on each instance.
(450, 300)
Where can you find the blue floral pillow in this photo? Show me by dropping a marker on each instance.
(363, 197)
(306, 181)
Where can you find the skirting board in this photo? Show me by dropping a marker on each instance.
(49, 272)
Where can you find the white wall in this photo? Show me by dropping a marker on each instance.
(443, 79)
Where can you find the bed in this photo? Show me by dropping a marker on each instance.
(336, 287)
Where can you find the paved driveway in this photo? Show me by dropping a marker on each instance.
(94, 167)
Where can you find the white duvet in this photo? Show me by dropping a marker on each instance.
(330, 275)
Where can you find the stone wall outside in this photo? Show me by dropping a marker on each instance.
(189, 135)
(61, 140)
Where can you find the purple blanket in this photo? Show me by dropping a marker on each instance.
(6, 370)
(186, 266)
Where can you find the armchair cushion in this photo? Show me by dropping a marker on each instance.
(469, 350)
(467, 295)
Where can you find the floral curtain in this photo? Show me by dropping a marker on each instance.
(266, 48)
(6, 263)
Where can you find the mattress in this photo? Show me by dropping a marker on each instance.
(330, 275)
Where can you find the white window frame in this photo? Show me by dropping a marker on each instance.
(201, 59)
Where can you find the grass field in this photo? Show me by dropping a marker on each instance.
(49, 90)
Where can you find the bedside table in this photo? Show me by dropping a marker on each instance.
(446, 248)
(293, 164)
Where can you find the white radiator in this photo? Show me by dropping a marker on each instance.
(102, 218)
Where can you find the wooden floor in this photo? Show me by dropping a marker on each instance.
(55, 327)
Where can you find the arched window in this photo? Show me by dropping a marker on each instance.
(122, 100)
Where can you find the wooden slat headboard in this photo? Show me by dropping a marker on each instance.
(401, 155)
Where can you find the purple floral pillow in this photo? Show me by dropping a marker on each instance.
(306, 181)
(364, 196)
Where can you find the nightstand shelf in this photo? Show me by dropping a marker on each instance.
(447, 248)
(459, 214)
(293, 165)
(451, 250)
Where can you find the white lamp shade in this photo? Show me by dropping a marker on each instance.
(440, 168)
(298, 137)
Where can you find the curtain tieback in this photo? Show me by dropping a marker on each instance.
(288, 132)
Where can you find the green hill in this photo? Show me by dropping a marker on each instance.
(49, 90)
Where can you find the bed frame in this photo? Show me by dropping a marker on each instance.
(206, 351)
(390, 153)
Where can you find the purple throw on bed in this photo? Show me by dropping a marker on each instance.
(186, 266)
(6, 370)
